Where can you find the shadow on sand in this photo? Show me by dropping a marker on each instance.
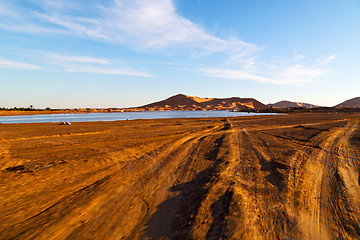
(174, 217)
(220, 209)
(274, 177)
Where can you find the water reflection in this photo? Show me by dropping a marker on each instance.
(90, 117)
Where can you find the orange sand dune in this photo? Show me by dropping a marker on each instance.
(200, 100)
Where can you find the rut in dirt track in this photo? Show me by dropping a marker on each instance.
(327, 199)
(181, 210)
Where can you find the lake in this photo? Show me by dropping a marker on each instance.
(115, 116)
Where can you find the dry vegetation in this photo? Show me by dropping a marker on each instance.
(269, 177)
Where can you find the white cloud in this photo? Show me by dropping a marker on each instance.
(102, 70)
(156, 24)
(286, 73)
(80, 59)
(327, 60)
(85, 64)
(303, 71)
(146, 25)
(75, 64)
(298, 57)
(6, 11)
(234, 74)
(9, 64)
(300, 75)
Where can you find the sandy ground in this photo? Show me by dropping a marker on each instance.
(268, 177)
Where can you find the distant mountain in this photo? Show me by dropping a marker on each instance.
(184, 102)
(351, 103)
(288, 104)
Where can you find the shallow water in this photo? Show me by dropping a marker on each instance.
(90, 117)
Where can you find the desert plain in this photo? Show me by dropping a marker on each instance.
(292, 176)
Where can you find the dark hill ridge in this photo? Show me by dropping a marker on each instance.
(173, 101)
(351, 103)
(184, 102)
(288, 104)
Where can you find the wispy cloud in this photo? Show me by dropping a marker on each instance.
(147, 25)
(234, 74)
(72, 64)
(86, 64)
(298, 57)
(102, 70)
(80, 59)
(9, 64)
(287, 73)
(6, 11)
(327, 60)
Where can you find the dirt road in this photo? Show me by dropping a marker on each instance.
(268, 177)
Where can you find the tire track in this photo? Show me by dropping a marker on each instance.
(272, 220)
(316, 188)
(189, 196)
(95, 201)
(149, 186)
(341, 216)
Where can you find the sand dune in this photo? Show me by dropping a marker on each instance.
(200, 100)
(184, 102)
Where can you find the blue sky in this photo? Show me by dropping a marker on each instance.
(123, 53)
